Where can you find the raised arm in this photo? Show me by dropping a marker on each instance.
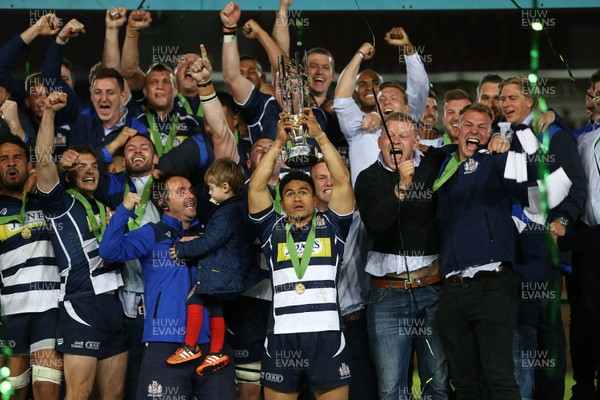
(10, 112)
(342, 197)
(51, 69)
(347, 80)
(130, 59)
(10, 51)
(417, 82)
(115, 19)
(111, 55)
(252, 30)
(222, 137)
(47, 173)
(259, 198)
(47, 25)
(281, 31)
(240, 87)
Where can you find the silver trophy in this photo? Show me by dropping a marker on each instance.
(293, 86)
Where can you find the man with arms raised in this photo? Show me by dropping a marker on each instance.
(306, 318)
(29, 279)
(91, 332)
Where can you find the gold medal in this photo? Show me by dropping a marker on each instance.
(299, 288)
(25, 233)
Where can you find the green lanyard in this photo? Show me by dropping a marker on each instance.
(236, 136)
(450, 169)
(300, 268)
(276, 200)
(20, 218)
(156, 138)
(188, 108)
(133, 224)
(98, 229)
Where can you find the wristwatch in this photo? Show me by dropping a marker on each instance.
(563, 221)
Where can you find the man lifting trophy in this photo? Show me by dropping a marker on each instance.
(293, 86)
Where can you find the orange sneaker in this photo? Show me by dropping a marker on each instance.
(213, 362)
(185, 353)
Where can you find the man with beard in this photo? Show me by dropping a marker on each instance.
(167, 284)
(398, 210)
(428, 134)
(487, 93)
(140, 158)
(312, 327)
(454, 101)
(29, 280)
(91, 332)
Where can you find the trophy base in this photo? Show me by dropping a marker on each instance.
(301, 156)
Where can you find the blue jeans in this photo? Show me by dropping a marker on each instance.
(396, 324)
(526, 359)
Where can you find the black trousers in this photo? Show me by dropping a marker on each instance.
(476, 321)
(584, 298)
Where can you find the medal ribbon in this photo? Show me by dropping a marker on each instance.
(300, 267)
(276, 200)
(98, 229)
(188, 108)
(19, 217)
(156, 137)
(133, 224)
(448, 171)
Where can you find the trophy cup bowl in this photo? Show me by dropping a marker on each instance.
(293, 84)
